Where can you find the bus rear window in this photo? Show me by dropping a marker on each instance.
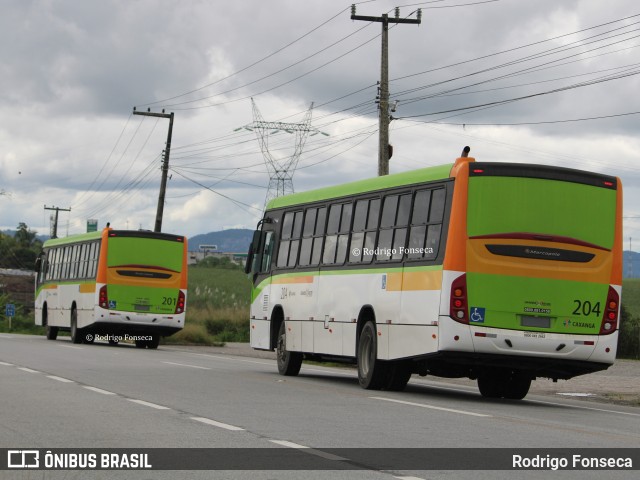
(149, 252)
(502, 205)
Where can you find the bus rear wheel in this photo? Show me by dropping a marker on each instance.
(154, 342)
(504, 384)
(373, 374)
(289, 363)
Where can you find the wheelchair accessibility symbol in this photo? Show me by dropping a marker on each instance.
(477, 315)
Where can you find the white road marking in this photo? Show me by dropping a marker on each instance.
(148, 404)
(409, 478)
(309, 450)
(71, 346)
(187, 365)
(98, 390)
(432, 407)
(7, 364)
(60, 379)
(226, 426)
(25, 369)
(231, 358)
(584, 408)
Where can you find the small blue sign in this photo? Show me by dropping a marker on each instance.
(112, 304)
(10, 310)
(477, 315)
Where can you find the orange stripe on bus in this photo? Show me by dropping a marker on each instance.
(284, 280)
(414, 281)
(87, 287)
(480, 260)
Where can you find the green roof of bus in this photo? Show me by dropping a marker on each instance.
(83, 237)
(428, 174)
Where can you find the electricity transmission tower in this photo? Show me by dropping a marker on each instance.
(280, 170)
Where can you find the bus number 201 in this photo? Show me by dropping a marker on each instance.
(169, 300)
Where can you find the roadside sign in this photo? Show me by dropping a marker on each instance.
(10, 310)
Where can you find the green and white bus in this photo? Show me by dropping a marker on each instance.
(500, 272)
(114, 284)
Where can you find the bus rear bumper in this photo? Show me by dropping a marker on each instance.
(471, 365)
(116, 322)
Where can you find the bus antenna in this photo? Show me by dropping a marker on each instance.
(465, 151)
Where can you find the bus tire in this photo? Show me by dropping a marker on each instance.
(76, 333)
(398, 376)
(154, 342)
(373, 374)
(489, 385)
(517, 386)
(141, 344)
(289, 363)
(52, 332)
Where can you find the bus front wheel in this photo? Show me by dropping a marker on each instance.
(76, 333)
(289, 363)
(372, 373)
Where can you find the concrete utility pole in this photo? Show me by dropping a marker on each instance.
(383, 143)
(54, 228)
(165, 164)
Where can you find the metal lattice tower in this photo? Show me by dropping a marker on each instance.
(281, 170)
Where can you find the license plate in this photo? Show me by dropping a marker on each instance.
(535, 322)
(142, 308)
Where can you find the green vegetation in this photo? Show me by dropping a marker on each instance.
(217, 304)
(21, 250)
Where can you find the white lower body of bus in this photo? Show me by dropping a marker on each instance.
(394, 324)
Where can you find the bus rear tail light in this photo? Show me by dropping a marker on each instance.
(458, 309)
(103, 299)
(610, 318)
(181, 302)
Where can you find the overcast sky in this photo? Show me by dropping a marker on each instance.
(72, 71)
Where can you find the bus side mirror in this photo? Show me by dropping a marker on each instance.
(254, 249)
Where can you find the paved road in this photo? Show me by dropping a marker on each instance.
(60, 395)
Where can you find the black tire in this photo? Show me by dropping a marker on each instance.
(76, 333)
(141, 344)
(517, 386)
(289, 363)
(504, 384)
(373, 374)
(398, 376)
(489, 385)
(52, 332)
(154, 342)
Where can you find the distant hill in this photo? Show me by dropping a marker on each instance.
(231, 241)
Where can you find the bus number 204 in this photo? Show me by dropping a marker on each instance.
(586, 308)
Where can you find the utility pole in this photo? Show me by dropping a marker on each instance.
(165, 164)
(383, 95)
(54, 229)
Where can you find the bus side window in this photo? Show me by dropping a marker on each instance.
(426, 224)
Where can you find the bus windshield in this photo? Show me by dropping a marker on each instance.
(577, 211)
(140, 251)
